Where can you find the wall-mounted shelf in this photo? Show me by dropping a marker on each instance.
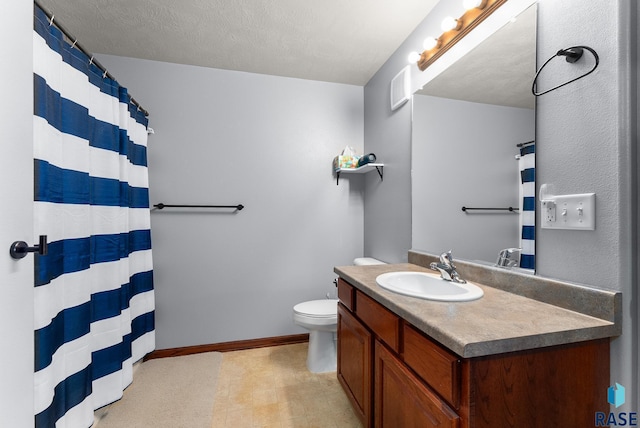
(361, 170)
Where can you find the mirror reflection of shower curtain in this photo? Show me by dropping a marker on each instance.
(527, 167)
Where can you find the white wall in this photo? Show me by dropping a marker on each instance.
(586, 137)
(586, 142)
(16, 216)
(225, 137)
(463, 154)
(387, 213)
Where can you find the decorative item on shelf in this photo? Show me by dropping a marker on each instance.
(346, 159)
(370, 158)
(350, 162)
(454, 29)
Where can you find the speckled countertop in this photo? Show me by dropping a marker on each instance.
(499, 322)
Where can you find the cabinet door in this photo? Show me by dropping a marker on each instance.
(438, 367)
(355, 350)
(402, 400)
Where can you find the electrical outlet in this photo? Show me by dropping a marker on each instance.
(575, 212)
(548, 211)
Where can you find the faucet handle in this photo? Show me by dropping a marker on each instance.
(447, 269)
(446, 258)
(509, 257)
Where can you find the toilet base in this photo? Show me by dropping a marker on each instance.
(322, 355)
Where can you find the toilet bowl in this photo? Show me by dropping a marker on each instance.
(320, 317)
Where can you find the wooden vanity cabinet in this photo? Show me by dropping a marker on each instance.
(437, 366)
(396, 376)
(355, 364)
(360, 319)
(403, 400)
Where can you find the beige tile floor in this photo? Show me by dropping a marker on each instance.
(271, 387)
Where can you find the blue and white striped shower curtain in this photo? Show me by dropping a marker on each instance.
(527, 166)
(94, 298)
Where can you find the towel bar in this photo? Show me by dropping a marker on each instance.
(161, 206)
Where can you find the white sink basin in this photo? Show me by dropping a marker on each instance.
(428, 286)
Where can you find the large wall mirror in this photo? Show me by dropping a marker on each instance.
(473, 127)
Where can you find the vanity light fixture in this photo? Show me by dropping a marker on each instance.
(454, 30)
(430, 43)
(414, 57)
(450, 24)
(472, 4)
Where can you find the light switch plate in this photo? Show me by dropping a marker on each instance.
(569, 212)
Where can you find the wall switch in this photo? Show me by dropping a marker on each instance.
(575, 211)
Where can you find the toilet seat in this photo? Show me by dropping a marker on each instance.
(326, 308)
(317, 313)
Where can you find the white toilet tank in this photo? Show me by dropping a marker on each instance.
(367, 261)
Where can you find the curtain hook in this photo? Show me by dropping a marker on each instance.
(51, 20)
(91, 60)
(73, 45)
(104, 75)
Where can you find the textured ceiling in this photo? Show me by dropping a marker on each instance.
(343, 41)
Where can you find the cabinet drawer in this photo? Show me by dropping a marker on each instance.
(385, 324)
(346, 294)
(434, 364)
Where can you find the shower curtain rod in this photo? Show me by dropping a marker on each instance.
(84, 51)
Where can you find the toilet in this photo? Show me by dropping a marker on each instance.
(320, 317)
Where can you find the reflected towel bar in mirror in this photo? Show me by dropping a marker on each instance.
(465, 209)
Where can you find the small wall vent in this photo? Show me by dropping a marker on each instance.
(400, 88)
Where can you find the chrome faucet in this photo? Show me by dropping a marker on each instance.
(447, 269)
(509, 257)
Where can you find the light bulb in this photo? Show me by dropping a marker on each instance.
(449, 24)
(472, 4)
(414, 57)
(430, 43)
